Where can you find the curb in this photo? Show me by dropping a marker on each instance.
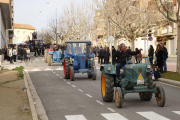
(168, 81)
(37, 109)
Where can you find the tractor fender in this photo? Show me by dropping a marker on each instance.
(106, 67)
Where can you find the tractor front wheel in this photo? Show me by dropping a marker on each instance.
(94, 75)
(149, 81)
(145, 96)
(160, 96)
(72, 73)
(118, 97)
(66, 68)
(107, 87)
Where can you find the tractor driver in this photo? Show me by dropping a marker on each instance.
(77, 49)
(121, 55)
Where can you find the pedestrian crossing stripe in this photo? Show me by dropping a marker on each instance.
(75, 117)
(48, 69)
(59, 69)
(177, 112)
(113, 116)
(150, 115)
(36, 69)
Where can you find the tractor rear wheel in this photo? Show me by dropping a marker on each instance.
(107, 87)
(118, 97)
(66, 68)
(91, 64)
(149, 81)
(160, 96)
(145, 96)
(72, 73)
(94, 75)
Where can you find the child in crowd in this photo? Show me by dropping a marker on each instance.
(156, 73)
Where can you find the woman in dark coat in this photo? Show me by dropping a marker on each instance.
(151, 54)
(107, 55)
(159, 54)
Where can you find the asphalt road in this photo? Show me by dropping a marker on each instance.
(81, 99)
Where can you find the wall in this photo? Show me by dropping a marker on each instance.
(22, 34)
(2, 30)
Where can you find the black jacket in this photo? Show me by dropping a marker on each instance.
(120, 57)
(107, 55)
(159, 55)
(102, 53)
(151, 53)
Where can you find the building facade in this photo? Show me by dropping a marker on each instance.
(22, 33)
(6, 22)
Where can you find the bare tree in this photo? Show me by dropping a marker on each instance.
(170, 10)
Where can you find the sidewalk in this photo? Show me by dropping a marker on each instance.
(6, 64)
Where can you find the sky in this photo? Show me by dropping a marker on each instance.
(28, 11)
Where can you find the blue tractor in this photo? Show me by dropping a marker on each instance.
(79, 59)
(54, 56)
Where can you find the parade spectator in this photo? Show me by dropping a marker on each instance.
(28, 54)
(99, 56)
(139, 57)
(5, 53)
(156, 74)
(159, 54)
(21, 53)
(11, 55)
(102, 55)
(151, 54)
(136, 56)
(113, 52)
(107, 55)
(14, 54)
(164, 56)
(25, 54)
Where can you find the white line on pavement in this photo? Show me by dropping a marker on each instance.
(60, 77)
(169, 84)
(88, 95)
(80, 90)
(99, 102)
(150, 115)
(75, 117)
(73, 85)
(177, 112)
(68, 82)
(113, 116)
(57, 74)
(111, 109)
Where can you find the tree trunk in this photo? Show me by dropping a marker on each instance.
(132, 49)
(178, 47)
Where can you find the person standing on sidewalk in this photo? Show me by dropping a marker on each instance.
(107, 55)
(159, 54)
(151, 54)
(164, 56)
(11, 55)
(14, 54)
(113, 52)
(28, 54)
(25, 54)
(21, 53)
(102, 55)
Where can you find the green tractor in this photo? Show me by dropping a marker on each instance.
(135, 78)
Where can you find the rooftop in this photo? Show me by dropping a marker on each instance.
(24, 26)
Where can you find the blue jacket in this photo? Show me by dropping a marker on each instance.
(165, 53)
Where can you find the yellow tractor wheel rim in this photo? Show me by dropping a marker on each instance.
(103, 85)
(158, 98)
(117, 98)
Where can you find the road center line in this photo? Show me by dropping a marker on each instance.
(80, 90)
(68, 82)
(99, 102)
(73, 85)
(88, 95)
(111, 109)
(177, 112)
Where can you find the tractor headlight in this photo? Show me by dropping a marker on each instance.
(108, 68)
(148, 66)
(92, 59)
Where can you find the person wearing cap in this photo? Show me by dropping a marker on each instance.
(121, 56)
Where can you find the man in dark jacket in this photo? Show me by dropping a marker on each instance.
(113, 52)
(121, 56)
(165, 56)
(102, 53)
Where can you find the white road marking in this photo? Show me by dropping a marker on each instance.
(113, 116)
(150, 115)
(60, 77)
(80, 90)
(169, 84)
(88, 95)
(68, 82)
(59, 69)
(99, 102)
(48, 69)
(111, 109)
(177, 112)
(36, 69)
(57, 74)
(75, 117)
(73, 85)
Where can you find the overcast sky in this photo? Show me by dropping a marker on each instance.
(27, 11)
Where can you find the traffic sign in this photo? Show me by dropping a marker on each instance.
(111, 39)
(150, 38)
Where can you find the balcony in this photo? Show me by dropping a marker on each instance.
(166, 31)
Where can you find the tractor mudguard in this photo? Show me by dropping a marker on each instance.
(108, 69)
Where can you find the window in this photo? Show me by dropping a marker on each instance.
(17, 32)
